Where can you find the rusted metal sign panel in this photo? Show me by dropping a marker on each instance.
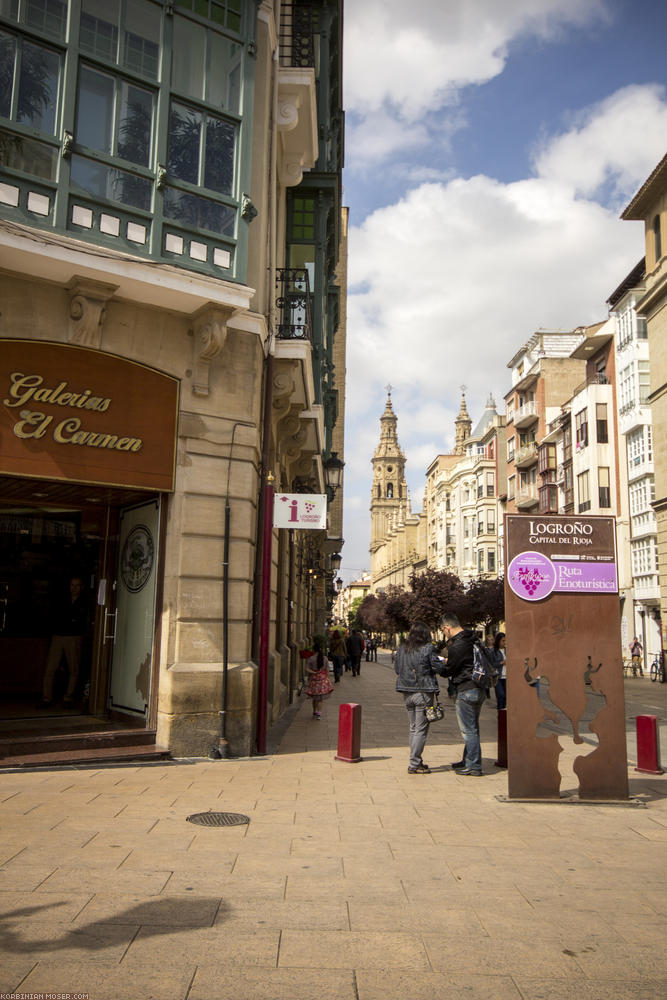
(564, 665)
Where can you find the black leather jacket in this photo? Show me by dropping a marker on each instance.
(417, 668)
(460, 660)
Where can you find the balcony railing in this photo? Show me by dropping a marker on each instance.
(526, 497)
(526, 414)
(294, 304)
(297, 34)
(526, 455)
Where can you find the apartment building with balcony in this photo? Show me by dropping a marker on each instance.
(649, 206)
(461, 501)
(172, 254)
(543, 374)
(635, 426)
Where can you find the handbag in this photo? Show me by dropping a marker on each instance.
(435, 712)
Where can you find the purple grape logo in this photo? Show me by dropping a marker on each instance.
(531, 576)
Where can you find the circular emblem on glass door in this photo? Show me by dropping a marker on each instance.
(136, 560)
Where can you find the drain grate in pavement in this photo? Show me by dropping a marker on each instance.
(218, 819)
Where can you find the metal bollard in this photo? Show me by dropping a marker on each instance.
(502, 738)
(349, 733)
(648, 745)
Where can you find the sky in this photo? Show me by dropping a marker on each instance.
(491, 146)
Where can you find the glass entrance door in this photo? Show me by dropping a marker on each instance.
(132, 658)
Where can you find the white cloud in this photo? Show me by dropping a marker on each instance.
(448, 283)
(611, 143)
(398, 67)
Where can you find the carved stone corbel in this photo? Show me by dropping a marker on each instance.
(291, 170)
(209, 332)
(87, 310)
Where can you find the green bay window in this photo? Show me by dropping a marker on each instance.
(135, 114)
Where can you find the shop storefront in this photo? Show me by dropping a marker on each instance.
(87, 461)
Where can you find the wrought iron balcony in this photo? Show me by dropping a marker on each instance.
(294, 304)
(297, 34)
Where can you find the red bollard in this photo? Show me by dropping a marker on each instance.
(349, 733)
(502, 738)
(648, 745)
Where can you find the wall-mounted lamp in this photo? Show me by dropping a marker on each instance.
(333, 471)
(335, 559)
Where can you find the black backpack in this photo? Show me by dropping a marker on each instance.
(484, 670)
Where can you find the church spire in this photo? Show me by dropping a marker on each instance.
(463, 425)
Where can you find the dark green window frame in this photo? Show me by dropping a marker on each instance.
(117, 175)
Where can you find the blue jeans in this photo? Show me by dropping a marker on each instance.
(468, 705)
(416, 704)
(501, 692)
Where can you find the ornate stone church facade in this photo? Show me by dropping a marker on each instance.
(460, 526)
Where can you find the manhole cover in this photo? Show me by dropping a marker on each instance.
(218, 819)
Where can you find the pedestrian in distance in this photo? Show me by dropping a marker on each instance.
(416, 665)
(636, 650)
(374, 648)
(337, 654)
(355, 647)
(468, 698)
(500, 658)
(318, 686)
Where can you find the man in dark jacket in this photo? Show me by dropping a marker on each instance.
(416, 666)
(468, 698)
(355, 647)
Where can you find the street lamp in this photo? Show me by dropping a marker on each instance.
(333, 471)
(335, 559)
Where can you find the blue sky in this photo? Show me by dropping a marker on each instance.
(490, 147)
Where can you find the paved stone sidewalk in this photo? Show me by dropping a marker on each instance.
(351, 881)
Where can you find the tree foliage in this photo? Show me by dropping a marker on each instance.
(485, 603)
(432, 594)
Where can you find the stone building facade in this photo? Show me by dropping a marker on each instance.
(172, 268)
(649, 206)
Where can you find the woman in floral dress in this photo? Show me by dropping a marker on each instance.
(318, 686)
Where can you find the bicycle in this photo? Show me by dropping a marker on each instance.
(632, 667)
(658, 671)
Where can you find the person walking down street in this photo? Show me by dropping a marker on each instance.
(417, 664)
(374, 648)
(636, 650)
(338, 654)
(318, 686)
(500, 657)
(355, 647)
(468, 698)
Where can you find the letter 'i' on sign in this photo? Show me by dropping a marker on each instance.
(294, 510)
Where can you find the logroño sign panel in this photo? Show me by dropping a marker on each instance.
(300, 510)
(565, 699)
(82, 415)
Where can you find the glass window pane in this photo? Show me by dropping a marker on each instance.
(112, 185)
(49, 16)
(141, 39)
(187, 68)
(184, 140)
(134, 124)
(219, 165)
(98, 33)
(9, 9)
(38, 87)
(224, 76)
(198, 213)
(94, 120)
(7, 58)
(28, 155)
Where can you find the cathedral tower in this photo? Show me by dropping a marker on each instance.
(463, 426)
(389, 494)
